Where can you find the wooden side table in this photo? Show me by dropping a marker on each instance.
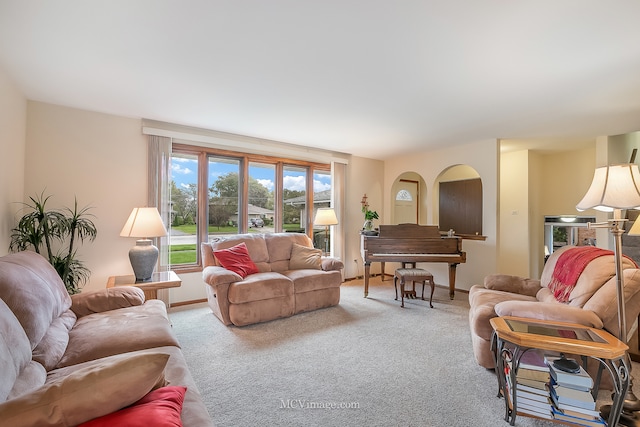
(159, 280)
(523, 334)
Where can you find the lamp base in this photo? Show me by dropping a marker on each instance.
(143, 257)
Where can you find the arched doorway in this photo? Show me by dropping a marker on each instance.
(407, 195)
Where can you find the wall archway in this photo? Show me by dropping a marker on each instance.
(460, 208)
(408, 199)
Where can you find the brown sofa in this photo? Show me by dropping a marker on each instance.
(291, 278)
(592, 302)
(67, 360)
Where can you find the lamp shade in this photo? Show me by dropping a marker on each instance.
(613, 187)
(144, 222)
(325, 216)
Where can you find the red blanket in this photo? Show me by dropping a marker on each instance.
(569, 267)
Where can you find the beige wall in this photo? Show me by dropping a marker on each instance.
(534, 185)
(483, 158)
(13, 125)
(364, 176)
(566, 178)
(101, 160)
(537, 192)
(514, 214)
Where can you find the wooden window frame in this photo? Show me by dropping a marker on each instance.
(203, 154)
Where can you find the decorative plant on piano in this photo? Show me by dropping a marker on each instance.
(369, 215)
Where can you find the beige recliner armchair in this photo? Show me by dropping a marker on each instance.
(592, 301)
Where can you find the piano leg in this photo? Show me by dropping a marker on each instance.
(367, 268)
(452, 280)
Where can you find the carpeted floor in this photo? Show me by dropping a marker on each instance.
(366, 362)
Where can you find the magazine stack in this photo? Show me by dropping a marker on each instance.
(571, 393)
(532, 390)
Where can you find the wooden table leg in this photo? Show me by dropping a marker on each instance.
(452, 280)
(367, 268)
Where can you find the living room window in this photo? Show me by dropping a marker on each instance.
(216, 192)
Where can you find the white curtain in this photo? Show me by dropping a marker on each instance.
(339, 173)
(159, 195)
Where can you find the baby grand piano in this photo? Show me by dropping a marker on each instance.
(409, 244)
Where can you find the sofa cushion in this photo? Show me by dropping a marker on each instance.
(101, 300)
(260, 286)
(313, 280)
(304, 257)
(176, 372)
(17, 371)
(279, 246)
(256, 247)
(605, 301)
(262, 311)
(556, 311)
(594, 275)
(482, 302)
(52, 346)
(32, 289)
(119, 331)
(86, 393)
(159, 408)
(236, 259)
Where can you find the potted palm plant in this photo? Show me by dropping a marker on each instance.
(43, 230)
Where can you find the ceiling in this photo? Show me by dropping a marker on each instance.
(368, 77)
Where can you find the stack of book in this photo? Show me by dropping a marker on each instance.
(571, 394)
(532, 390)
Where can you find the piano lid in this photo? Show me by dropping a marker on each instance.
(406, 231)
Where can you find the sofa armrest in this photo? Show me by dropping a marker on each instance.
(98, 301)
(513, 284)
(215, 276)
(329, 264)
(549, 311)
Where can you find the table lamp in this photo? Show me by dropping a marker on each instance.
(326, 217)
(143, 223)
(613, 189)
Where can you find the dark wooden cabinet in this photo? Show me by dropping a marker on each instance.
(461, 206)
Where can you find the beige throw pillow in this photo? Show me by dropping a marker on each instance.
(303, 257)
(86, 393)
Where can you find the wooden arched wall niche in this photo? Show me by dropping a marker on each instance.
(457, 192)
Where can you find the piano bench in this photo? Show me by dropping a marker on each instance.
(413, 275)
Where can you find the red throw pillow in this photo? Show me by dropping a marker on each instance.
(159, 408)
(237, 259)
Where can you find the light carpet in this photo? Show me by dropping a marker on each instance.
(365, 362)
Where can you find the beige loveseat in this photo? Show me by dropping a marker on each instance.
(67, 360)
(592, 302)
(291, 278)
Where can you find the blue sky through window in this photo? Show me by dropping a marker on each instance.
(184, 172)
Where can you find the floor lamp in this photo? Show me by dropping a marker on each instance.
(614, 188)
(326, 217)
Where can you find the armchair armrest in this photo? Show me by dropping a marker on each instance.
(216, 276)
(329, 264)
(549, 311)
(513, 284)
(98, 301)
